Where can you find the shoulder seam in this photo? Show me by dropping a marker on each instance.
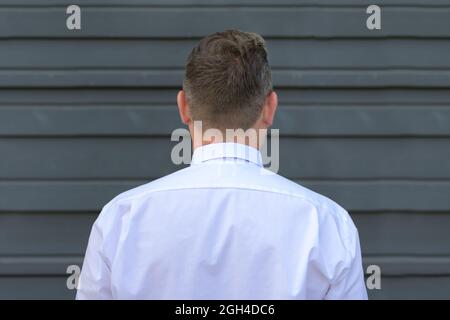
(244, 187)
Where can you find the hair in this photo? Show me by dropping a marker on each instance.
(228, 79)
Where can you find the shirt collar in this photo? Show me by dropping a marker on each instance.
(227, 150)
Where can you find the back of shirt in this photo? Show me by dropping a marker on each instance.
(224, 228)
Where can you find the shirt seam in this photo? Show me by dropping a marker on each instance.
(242, 187)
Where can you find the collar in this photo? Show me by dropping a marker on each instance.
(226, 150)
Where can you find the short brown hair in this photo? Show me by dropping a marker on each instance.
(227, 79)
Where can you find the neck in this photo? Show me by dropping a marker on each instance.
(253, 137)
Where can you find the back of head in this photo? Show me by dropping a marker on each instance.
(227, 79)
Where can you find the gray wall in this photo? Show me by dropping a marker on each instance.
(364, 118)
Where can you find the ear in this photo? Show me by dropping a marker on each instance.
(269, 108)
(183, 107)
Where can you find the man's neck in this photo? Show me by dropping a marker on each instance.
(251, 137)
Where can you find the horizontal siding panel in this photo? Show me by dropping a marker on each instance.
(212, 3)
(386, 195)
(35, 287)
(41, 265)
(43, 234)
(83, 96)
(410, 265)
(84, 158)
(66, 233)
(312, 120)
(59, 196)
(413, 287)
(407, 233)
(362, 96)
(390, 266)
(137, 158)
(399, 97)
(363, 120)
(173, 78)
(269, 21)
(91, 120)
(51, 287)
(158, 54)
(346, 158)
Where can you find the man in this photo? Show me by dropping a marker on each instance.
(224, 228)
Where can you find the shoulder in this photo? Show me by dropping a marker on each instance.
(167, 182)
(337, 239)
(121, 204)
(330, 215)
(282, 185)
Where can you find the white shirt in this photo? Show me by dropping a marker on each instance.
(223, 228)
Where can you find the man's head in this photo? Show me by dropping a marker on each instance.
(228, 83)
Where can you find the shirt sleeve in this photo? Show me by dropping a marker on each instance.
(94, 282)
(350, 286)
